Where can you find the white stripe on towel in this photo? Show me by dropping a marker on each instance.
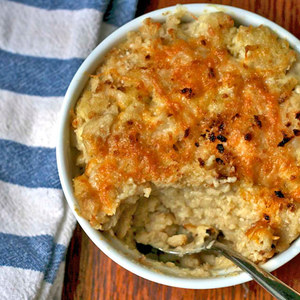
(29, 119)
(20, 283)
(57, 33)
(42, 212)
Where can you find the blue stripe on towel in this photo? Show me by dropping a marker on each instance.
(36, 75)
(28, 166)
(120, 12)
(38, 253)
(66, 4)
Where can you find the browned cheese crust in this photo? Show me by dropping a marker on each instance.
(176, 102)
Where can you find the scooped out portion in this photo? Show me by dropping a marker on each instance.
(188, 127)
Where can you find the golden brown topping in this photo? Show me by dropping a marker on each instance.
(162, 99)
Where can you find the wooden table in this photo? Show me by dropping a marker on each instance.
(92, 275)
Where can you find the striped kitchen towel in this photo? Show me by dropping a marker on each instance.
(42, 44)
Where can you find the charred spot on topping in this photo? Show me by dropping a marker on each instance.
(175, 147)
(296, 132)
(201, 162)
(170, 115)
(257, 121)
(248, 137)
(107, 82)
(213, 123)
(203, 42)
(211, 73)
(197, 144)
(291, 207)
(137, 136)
(208, 231)
(282, 98)
(273, 246)
(187, 91)
(220, 148)
(293, 177)
(187, 132)
(147, 56)
(203, 135)
(284, 141)
(221, 127)
(279, 194)
(212, 137)
(266, 217)
(288, 124)
(220, 161)
(224, 96)
(235, 117)
(222, 138)
(221, 234)
(121, 88)
(134, 137)
(129, 122)
(297, 115)
(222, 176)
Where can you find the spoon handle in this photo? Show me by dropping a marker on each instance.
(272, 284)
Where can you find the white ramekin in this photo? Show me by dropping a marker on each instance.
(112, 247)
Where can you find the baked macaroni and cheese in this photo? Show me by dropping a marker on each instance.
(188, 126)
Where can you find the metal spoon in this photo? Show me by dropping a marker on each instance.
(273, 285)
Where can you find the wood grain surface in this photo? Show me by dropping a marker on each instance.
(92, 275)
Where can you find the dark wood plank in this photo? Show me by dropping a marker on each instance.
(92, 275)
